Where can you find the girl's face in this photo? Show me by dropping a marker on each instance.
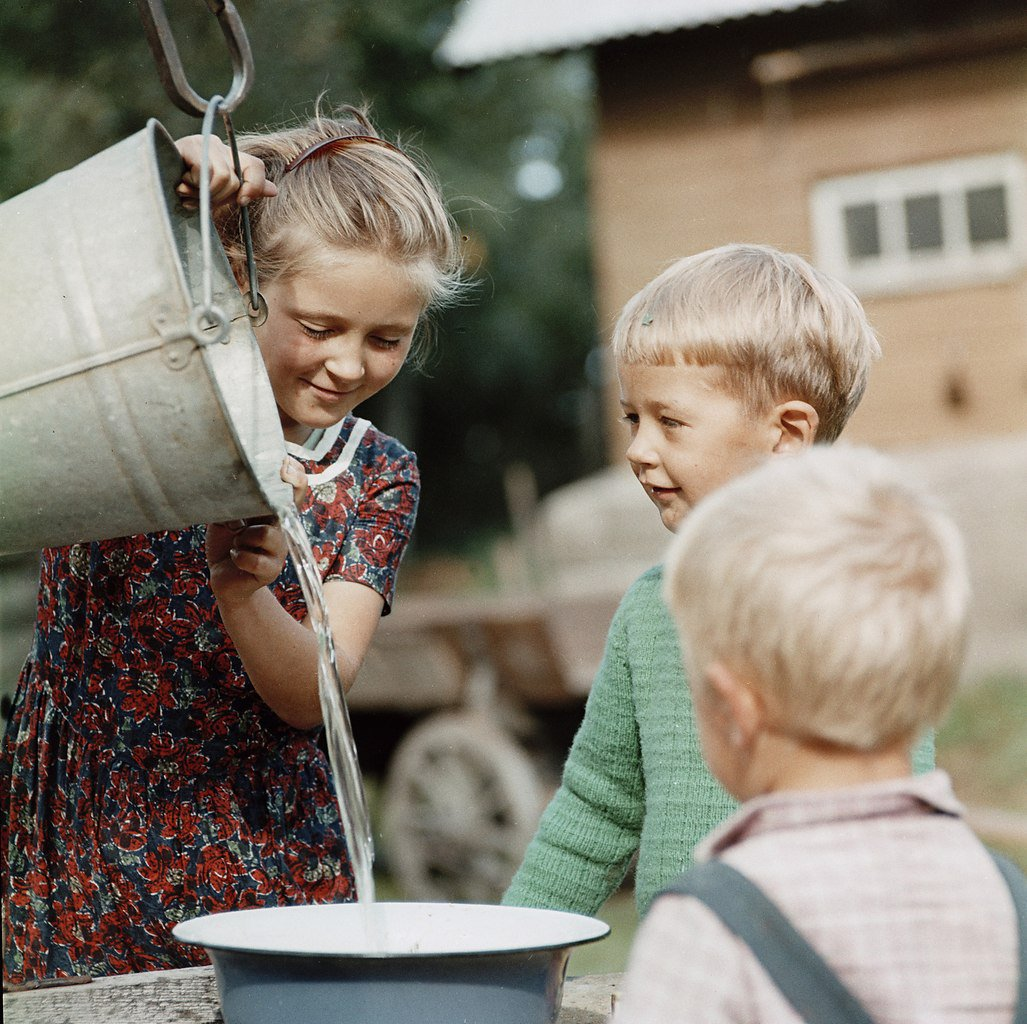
(335, 335)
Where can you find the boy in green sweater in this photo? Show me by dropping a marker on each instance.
(728, 357)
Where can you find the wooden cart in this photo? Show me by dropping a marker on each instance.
(466, 708)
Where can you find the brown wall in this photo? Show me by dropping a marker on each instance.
(692, 154)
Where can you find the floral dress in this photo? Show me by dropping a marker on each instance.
(143, 780)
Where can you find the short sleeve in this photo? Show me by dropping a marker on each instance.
(380, 526)
(360, 511)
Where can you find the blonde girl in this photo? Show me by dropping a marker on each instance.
(162, 758)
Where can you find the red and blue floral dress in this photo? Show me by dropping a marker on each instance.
(143, 779)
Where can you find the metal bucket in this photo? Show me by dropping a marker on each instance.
(433, 963)
(122, 410)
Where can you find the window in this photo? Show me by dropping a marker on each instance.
(925, 226)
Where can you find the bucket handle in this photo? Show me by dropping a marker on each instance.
(256, 306)
(169, 64)
(207, 313)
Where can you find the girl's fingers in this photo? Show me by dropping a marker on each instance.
(250, 561)
(260, 551)
(259, 538)
(255, 184)
(294, 474)
(225, 184)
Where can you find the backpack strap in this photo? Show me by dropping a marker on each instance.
(1018, 888)
(797, 969)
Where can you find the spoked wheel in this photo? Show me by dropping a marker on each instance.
(461, 803)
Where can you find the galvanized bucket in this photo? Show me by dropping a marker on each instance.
(124, 407)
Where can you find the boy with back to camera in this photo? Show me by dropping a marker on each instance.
(821, 603)
(729, 357)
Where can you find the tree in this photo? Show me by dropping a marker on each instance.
(508, 382)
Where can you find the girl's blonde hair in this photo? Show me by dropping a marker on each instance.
(363, 196)
(777, 328)
(834, 585)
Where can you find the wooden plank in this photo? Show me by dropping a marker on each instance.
(511, 635)
(185, 996)
(189, 996)
(888, 52)
(589, 999)
(526, 661)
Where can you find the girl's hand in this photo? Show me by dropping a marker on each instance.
(245, 555)
(294, 473)
(225, 186)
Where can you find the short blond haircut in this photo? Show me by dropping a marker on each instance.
(833, 584)
(779, 329)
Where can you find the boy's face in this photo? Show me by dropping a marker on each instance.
(688, 435)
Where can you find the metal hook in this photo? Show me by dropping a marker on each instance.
(169, 64)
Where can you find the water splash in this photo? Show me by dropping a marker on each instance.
(342, 751)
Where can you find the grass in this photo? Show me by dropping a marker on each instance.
(983, 743)
(983, 746)
(609, 955)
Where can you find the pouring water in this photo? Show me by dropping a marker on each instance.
(342, 751)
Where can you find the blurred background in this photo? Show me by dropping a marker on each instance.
(584, 147)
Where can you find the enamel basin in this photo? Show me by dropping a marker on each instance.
(392, 963)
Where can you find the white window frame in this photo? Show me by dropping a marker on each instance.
(898, 269)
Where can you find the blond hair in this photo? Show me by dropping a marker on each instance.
(777, 328)
(838, 588)
(365, 196)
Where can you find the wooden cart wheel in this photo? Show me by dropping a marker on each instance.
(461, 803)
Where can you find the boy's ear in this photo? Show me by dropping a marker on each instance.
(797, 424)
(741, 704)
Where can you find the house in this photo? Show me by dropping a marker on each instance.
(885, 139)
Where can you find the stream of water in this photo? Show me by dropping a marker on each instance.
(342, 751)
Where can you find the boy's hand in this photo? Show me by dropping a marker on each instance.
(225, 186)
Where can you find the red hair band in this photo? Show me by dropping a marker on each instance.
(333, 145)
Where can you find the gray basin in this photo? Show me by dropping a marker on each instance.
(394, 963)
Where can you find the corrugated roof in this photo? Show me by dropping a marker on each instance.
(489, 30)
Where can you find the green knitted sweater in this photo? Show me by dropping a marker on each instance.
(634, 781)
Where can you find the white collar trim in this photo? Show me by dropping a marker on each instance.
(329, 438)
(321, 447)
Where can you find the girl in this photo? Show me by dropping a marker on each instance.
(162, 758)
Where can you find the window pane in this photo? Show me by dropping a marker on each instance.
(986, 214)
(923, 222)
(862, 235)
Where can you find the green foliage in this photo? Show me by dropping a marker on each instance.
(983, 742)
(983, 746)
(508, 382)
(609, 955)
